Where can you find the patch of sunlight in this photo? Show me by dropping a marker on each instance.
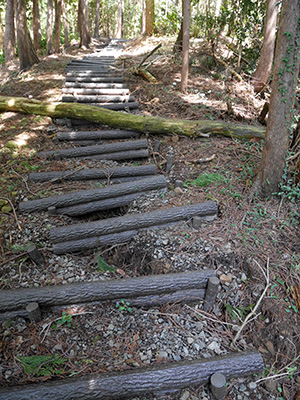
(11, 102)
(2, 126)
(22, 138)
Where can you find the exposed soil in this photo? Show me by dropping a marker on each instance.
(250, 245)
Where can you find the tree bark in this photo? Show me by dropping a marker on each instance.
(65, 24)
(96, 135)
(49, 34)
(284, 82)
(83, 23)
(95, 79)
(185, 45)
(94, 173)
(27, 53)
(98, 99)
(114, 289)
(93, 195)
(97, 19)
(9, 35)
(35, 25)
(149, 18)
(138, 123)
(91, 85)
(96, 149)
(261, 76)
(93, 91)
(144, 381)
(132, 222)
(57, 25)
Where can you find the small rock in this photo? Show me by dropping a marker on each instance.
(214, 346)
(225, 278)
(178, 190)
(185, 395)
(190, 340)
(252, 385)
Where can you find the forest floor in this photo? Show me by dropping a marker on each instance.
(251, 245)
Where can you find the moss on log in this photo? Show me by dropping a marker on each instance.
(139, 123)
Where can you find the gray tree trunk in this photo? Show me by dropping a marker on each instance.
(49, 27)
(9, 35)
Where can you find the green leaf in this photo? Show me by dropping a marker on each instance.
(103, 266)
(42, 365)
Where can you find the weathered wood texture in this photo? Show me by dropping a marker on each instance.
(95, 150)
(144, 381)
(93, 173)
(132, 222)
(99, 99)
(84, 196)
(102, 205)
(94, 242)
(131, 105)
(96, 135)
(99, 79)
(96, 91)
(139, 123)
(115, 289)
(120, 155)
(95, 85)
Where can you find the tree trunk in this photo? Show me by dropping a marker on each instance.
(143, 381)
(281, 103)
(120, 19)
(83, 23)
(149, 18)
(1, 34)
(35, 25)
(27, 53)
(185, 45)
(135, 122)
(65, 24)
(97, 19)
(49, 27)
(9, 35)
(77, 136)
(58, 10)
(178, 44)
(261, 76)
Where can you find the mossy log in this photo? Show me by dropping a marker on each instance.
(143, 381)
(139, 123)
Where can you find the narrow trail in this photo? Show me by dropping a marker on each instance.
(80, 228)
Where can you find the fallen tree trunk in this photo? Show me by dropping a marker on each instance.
(85, 196)
(139, 123)
(96, 135)
(132, 105)
(95, 150)
(94, 173)
(132, 222)
(115, 289)
(144, 381)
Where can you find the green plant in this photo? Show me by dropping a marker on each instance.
(123, 306)
(207, 179)
(65, 319)
(103, 266)
(42, 365)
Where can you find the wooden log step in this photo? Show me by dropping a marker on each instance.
(93, 61)
(91, 85)
(94, 242)
(84, 196)
(132, 105)
(102, 205)
(95, 150)
(119, 156)
(141, 382)
(95, 79)
(93, 74)
(114, 289)
(98, 99)
(93, 173)
(97, 135)
(133, 222)
(96, 91)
